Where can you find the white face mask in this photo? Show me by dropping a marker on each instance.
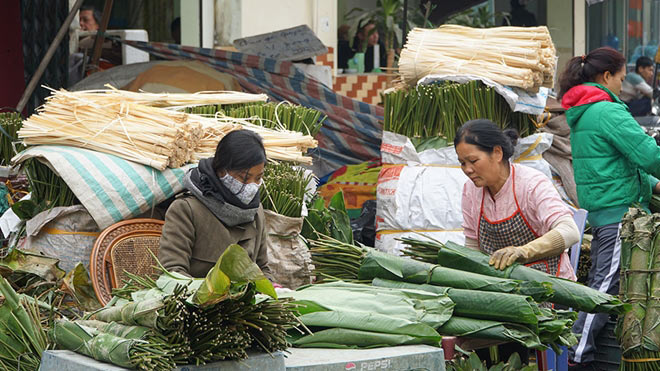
(242, 191)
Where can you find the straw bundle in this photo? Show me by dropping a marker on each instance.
(524, 57)
(117, 122)
(280, 145)
(184, 100)
(108, 123)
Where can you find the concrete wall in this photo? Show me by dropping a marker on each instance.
(190, 23)
(560, 24)
(243, 18)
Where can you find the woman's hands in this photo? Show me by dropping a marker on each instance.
(503, 258)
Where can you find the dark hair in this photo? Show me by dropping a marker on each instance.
(95, 13)
(486, 136)
(585, 68)
(239, 150)
(643, 62)
(175, 25)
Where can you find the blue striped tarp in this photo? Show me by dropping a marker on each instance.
(110, 188)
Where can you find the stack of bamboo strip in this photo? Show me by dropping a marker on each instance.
(280, 145)
(177, 100)
(524, 57)
(119, 123)
(108, 123)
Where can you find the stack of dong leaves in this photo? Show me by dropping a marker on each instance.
(638, 331)
(506, 305)
(175, 320)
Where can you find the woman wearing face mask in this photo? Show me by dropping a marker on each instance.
(510, 211)
(612, 160)
(222, 207)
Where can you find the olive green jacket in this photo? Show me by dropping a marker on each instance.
(193, 238)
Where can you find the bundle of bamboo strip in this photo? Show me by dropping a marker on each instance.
(118, 123)
(280, 145)
(178, 100)
(524, 57)
(108, 123)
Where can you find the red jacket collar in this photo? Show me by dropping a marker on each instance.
(584, 94)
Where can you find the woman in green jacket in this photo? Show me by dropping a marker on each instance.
(614, 163)
(222, 207)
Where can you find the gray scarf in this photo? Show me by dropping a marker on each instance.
(227, 213)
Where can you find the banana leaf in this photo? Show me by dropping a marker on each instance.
(78, 284)
(140, 313)
(117, 329)
(375, 310)
(377, 264)
(555, 328)
(494, 330)
(651, 327)
(22, 338)
(637, 244)
(494, 306)
(566, 292)
(18, 261)
(341, 338)
(84, 340)
(234, 265)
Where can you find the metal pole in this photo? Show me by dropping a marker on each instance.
(100, 34)
(49, 55)
(404, 24)
(201, 24)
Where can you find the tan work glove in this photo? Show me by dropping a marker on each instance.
(550, 244)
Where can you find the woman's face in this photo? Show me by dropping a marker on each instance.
(481, 167)
(613, 81)
(251, 175)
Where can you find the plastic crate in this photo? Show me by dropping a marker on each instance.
(608, 351)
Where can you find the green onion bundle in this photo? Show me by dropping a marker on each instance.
(228, 329)
(284, 189)
(270, 320)
(206, 320)
(47, 187)
(440, 109)
(169, 316)
(270, 115)
(335, 260)
(10, 122)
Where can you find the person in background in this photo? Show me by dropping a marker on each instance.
(175, 30)
(511, 211)
(636, 90)
(365, 40)
(520, 16)
(221, 207)
(344, 50)
(90, 18)
(612, 160)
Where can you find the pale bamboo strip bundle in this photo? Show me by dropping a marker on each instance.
(539, 33)
(524, 57)
(500, 73)
(280, 145)
(149, 135)
(178, 100)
